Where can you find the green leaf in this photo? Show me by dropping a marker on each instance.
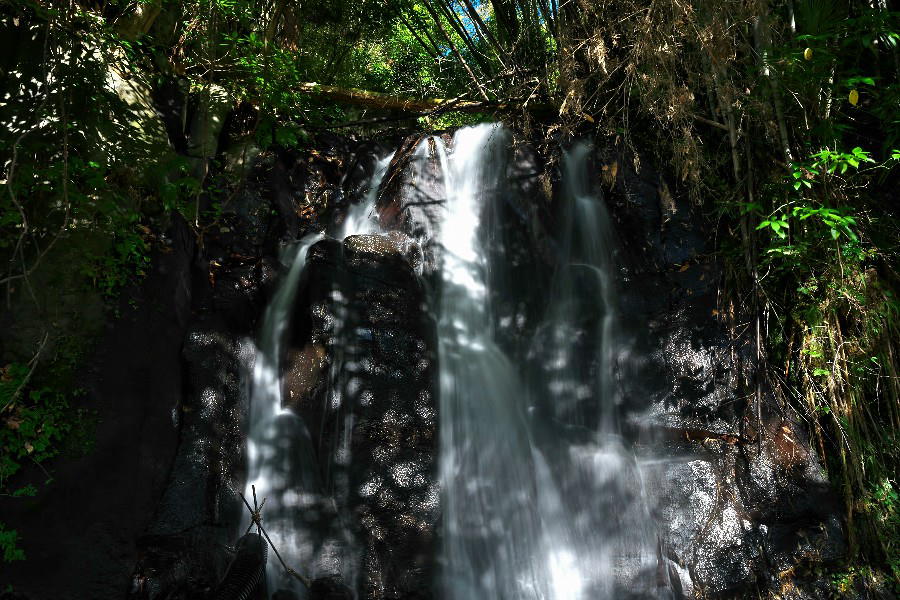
(855, 81)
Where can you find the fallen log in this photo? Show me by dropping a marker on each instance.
(421, 106)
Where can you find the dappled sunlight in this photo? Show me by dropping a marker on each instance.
(281, 467)
(542, 499)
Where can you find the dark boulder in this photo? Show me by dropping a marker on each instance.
(412, 195)
(374, 417)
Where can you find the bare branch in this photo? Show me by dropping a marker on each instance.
(255, 516)
(33, 363)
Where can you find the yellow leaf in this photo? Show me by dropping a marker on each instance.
(807, 54)
(854, 97)
(587, 117)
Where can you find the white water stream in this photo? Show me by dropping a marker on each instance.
(530, 510)
(281, 458)
(528, 513)
(279, 448)
(361, 217)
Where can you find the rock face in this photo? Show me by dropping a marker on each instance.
(413, 194)
(183, 552)
(373, 419)
(740, 498)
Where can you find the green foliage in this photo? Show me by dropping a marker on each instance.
(824, 241)
(34, 423)
(826, 176)
(454, 119)
(9, 544)
(829, 162)
(75, 144)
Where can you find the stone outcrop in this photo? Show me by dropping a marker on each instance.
(738, 495)
(740, 498)
(183, 552)
(373, 418)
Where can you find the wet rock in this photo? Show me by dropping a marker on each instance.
(329, 588)
(412, 195)
(183, 550)
(374, 422)
(740, 499)
(246, 575)
(747, 500)
(304, 375)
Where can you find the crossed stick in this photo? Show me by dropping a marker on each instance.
(256, 519)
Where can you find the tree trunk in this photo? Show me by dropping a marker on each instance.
(378, 100)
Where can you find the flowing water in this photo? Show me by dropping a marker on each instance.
(281, 457)
(542, 499)
(608, 523)
(542, 496)
(491, 529)
(280, 453)
(361, 217)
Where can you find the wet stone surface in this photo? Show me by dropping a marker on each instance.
(373, 422)
(740, 498)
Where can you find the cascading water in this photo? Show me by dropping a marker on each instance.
(282, 466)
(489, 524)
(598, 475)
(541, 499)
(279, 448)
(361, 218)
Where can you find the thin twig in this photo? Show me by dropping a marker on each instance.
(33, 363)
(258, 520)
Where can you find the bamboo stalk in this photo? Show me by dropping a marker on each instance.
(455, 50)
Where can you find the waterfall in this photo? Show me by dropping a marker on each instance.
(542, 494)
(361, 217)
(281, 459)
(542, 499)
(491, 529)
(279, 448)
(601, 483)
